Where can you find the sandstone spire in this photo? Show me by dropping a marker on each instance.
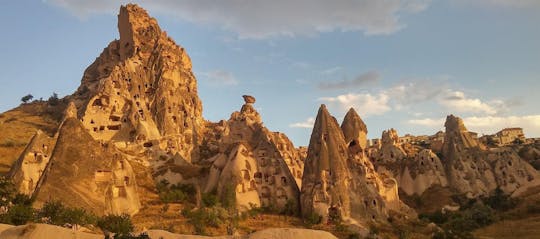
(354, 129)
(141, 88)
(325, 179)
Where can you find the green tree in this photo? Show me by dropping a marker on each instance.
(27, 98)
(118, 224)
(18, 214)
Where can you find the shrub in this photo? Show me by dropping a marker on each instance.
(178, 193)
(313, 219)
(118, 224)
(500, 201)
(7, 191)
(58, 214)
(209, 199)
(54, 100)
(18, 215)
(27, 98)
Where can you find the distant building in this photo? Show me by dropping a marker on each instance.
(509, 136)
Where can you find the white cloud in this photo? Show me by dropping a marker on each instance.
(504, 3)
(428, 122)
(331, 70)
(259, 19)
(458, 102)
(489, 124)
(220, 77)
(365, 103)
(306, 124)
(361, 80)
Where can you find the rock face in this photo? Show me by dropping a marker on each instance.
(27, 170)
(466, 166)
(141, 88)
(474, 171)
(355, 130)
(415, 172)
(339, 180)
(85, 173)
(253, 162)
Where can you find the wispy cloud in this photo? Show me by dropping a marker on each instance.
(458, 102)
(331, 70)
(504, 3)
(365, 103)
(308, 123)
(257, 19)
(219, 77)
(361, 80)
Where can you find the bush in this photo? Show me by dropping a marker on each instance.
(500, 201)
(27, 98)
(209, 199)
(121, 225)
(7, 191)
(57, 214)
(179, 193)
(54, 100)
(313, 219)
(207, 217)
(18, 215)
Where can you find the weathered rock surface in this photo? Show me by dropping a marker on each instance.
(42, 231)
(339, 180)
(253, 161)
(141, 88)
(27, 170)
(274, 233)
(85, 173)
(466, 166)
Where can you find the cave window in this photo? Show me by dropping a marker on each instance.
(374, 202)
(284, 181)
(91, 121)
(126, 180)
(101, 128)
(95, 129)
(148, 144)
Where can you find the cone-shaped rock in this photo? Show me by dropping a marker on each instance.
(85, 173)
(325, 179)
(354, 129)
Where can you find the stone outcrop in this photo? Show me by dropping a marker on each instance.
(339, 180)
(28, 169)
(141, 89)
(253, 161)
(354, 130)
(85, 173)
(466, 166)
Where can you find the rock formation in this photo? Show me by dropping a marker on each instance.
(253, 161)
(28, 169)
(85, 173)
(466, 166)
(141, 89)
(339, 180)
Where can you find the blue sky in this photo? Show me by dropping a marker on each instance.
(404, 64)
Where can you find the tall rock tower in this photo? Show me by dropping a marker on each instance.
(326, 179)
(141, 89)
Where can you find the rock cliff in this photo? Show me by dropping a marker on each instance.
(339, 180)
(141, 89)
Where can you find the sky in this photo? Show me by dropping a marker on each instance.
(402, 64)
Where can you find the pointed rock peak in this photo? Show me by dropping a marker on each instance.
(454, 123)
(136, 27)
(390, 137)
(71, 111)
(354, 129)
(353, 121)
